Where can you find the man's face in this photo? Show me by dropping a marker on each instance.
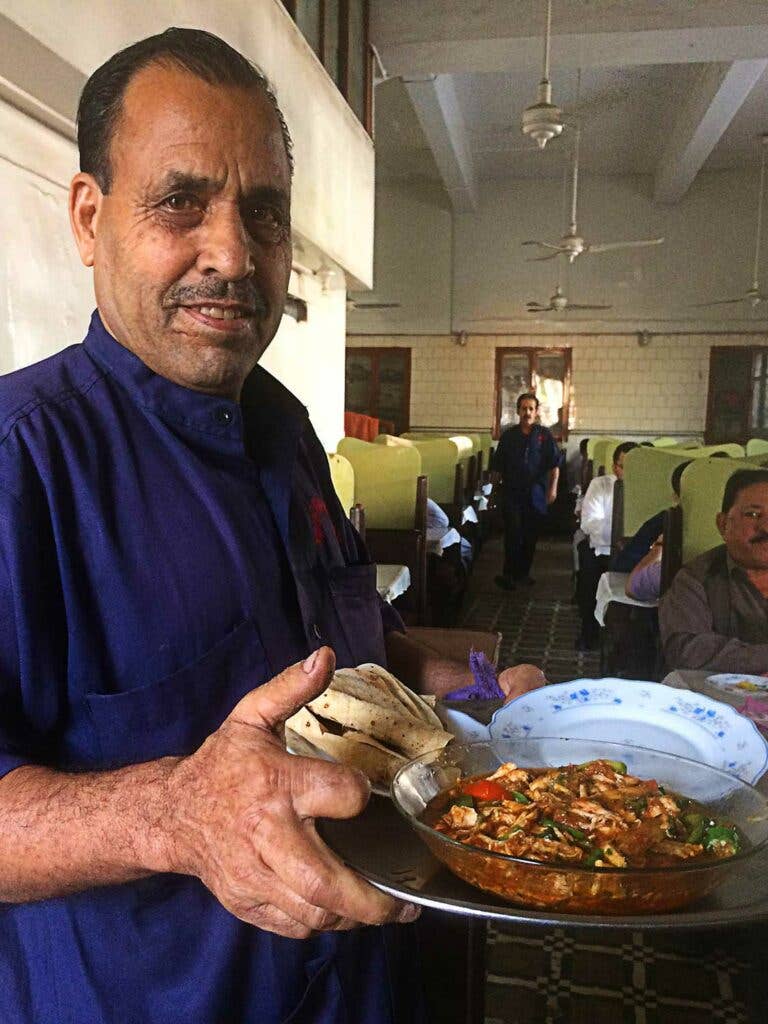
(744, 527)
(527, 412)
(191, 246)
(618, 467)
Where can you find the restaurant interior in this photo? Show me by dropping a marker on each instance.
(561, 198)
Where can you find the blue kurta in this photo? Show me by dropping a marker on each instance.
(524, 461)
(161, 553)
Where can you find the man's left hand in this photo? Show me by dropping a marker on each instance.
(519, 680)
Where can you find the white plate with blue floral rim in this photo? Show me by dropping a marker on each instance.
(629, 711)
(739, 683)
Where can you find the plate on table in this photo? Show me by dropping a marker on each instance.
(739, 683)
(641, 714)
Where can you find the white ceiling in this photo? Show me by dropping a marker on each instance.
(668, 88)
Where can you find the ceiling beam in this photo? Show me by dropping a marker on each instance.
(38, 81)
(601, 49)
(439, 112)
(708, 108)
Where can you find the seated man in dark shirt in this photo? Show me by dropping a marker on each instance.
(715, 614)
(637, 547)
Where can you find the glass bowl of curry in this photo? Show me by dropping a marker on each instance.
(582, 826)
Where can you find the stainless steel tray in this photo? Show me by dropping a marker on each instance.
(382, 847)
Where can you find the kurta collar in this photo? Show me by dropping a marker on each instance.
(268, 406)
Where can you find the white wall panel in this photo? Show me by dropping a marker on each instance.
(45, 291)
(333, 195)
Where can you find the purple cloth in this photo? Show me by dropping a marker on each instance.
(485, 686)
(646, 583)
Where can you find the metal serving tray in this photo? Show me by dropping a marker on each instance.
(381, 846)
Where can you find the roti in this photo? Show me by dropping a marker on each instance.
(376, 762)
(350, 681)
(398, 730)
(378, 676)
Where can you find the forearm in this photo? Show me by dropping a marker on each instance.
(61, 833)
(714, 652)
(552, 478)
(423, 669)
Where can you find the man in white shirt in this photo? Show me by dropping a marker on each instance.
(595, 549)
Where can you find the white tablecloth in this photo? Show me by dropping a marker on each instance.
(469, 515)
(611, 588)
(392, 581)
(439, 538)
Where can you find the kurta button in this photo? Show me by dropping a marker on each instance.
(224, 415)
(316, 631)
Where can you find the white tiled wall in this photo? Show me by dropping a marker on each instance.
(618, 386)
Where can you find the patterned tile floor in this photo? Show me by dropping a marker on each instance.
(570, 976)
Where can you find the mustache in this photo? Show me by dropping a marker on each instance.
(242, 293)
(759, 539)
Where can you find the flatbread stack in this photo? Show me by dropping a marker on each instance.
(368, 719)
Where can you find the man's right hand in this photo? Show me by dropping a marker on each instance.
(242, 818)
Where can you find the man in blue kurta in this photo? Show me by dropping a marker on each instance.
(176, 575)
(526, 463)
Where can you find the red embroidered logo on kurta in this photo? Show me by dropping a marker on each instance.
(318, 512)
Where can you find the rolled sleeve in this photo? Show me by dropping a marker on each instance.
(688, 637)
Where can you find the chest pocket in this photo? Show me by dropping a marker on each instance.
(175, 714)
(357, 607)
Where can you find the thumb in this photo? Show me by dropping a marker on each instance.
(270, 704)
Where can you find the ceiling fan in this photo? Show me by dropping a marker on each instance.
(559, 303)
(572, 244)
(353, 305)
(543, 120)
(752, 295)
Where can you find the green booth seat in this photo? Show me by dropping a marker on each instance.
(647, 484)
(665, 442)
(343, 479)
(385, 481)
(439, 456)
(735, 451)
(757, 446)
(675, 442)
(648, 473)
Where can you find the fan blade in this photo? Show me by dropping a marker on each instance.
(576, 305)
(534, 307)
(610, 246)
(718, 302)
(544, 245)
(376, 305)
(538, 259)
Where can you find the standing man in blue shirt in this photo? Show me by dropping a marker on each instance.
(527, 464)
(176, 575)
